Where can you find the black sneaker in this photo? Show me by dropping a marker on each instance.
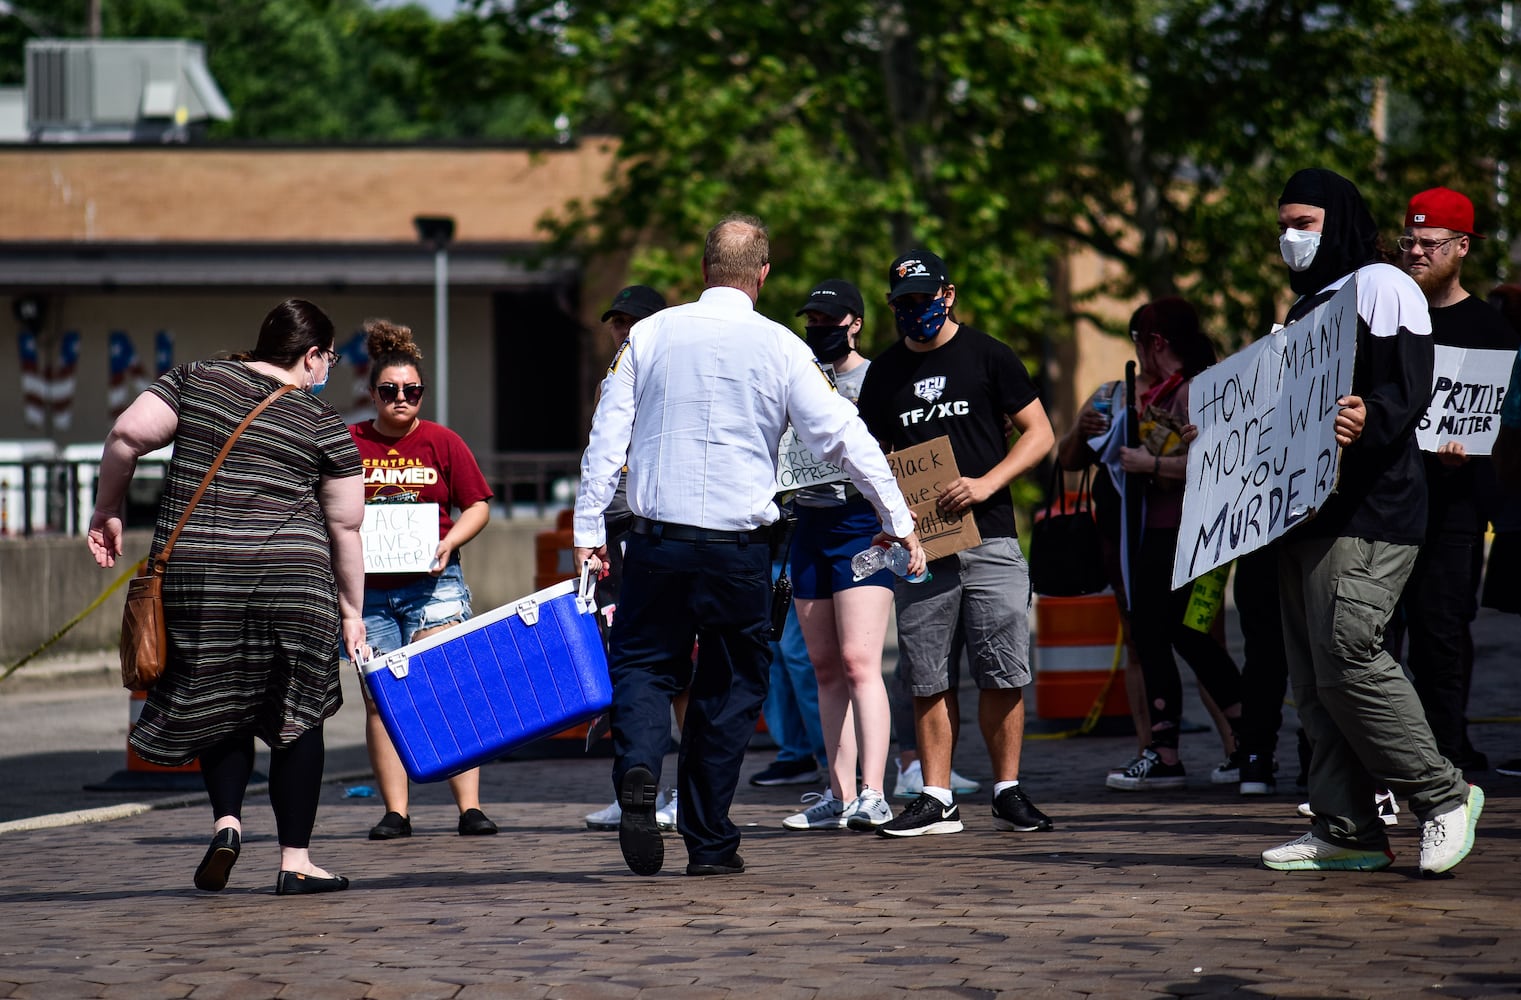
(1257, 775)
(1013, 810)
(787, 772)
(638, 830)
(732, 865)
(474, 823)
(1147, 773)
(922, 816)
(391, 826)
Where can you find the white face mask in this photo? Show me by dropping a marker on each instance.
(1298, 247)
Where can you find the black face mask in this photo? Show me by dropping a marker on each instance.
(829, 343)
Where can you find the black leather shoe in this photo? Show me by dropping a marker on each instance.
(638, 830)
(474, 823)
(732, 865)
(211, 876)
(296, 884)
(391, 826)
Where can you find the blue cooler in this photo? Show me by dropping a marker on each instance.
(481, 689)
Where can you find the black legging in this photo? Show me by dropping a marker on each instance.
(295, 781)
(1157, 628)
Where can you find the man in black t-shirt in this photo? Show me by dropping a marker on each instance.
(1441, 597)
(946, 378)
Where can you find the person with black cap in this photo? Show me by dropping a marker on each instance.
(697, 401)
(1341, 571)
(844, 620)
(629, 306)
(947, 378)
(1441, 598)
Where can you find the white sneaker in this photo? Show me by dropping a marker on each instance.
(1388, 809)
(665, 809)
(826, 813)
(868, 811)
(910, 783)
(1447, 839)
(1311, 854)
(605, 819)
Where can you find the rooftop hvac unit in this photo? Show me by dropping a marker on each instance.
(138, 90)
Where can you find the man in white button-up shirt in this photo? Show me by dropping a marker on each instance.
(695, 403)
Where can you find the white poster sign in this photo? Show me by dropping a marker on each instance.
(1266, 456)
(399, 537)
(1466, 395)
(797, 467)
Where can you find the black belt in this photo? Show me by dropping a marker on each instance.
(687, 533)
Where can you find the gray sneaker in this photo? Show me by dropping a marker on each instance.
(826, 813)
(868, 811)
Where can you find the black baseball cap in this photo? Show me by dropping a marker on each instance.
(834, 297)
(916, 271)
(637, 301)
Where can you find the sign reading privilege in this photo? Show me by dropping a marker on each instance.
(399, 537)
(1266, 456)
(1466, 395)
(923, 472)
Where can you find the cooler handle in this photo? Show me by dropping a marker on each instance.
(586, 594)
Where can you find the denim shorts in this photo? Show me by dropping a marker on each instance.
(392, 617)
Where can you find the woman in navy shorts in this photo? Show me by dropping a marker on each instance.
(844, 620)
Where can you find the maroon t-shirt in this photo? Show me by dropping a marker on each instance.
(432, 464)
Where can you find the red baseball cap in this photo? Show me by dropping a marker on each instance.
(1441, 208)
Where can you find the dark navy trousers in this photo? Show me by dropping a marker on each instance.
(674, 593)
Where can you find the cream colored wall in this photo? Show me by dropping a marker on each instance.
(208, 323)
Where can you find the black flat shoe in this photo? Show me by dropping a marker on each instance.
(296, 884)
(638, 831)
(211, 876)
(474, 823)
(391, 826)
(732, 865)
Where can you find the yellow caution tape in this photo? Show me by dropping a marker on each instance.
(1086, 726)
(129, 574)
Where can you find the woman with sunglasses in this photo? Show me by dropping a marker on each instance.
(411, 460)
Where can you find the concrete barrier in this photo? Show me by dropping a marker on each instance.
(45, 581)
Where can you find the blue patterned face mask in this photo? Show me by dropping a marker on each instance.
(920, 321)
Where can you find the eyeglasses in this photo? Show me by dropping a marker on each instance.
(1429, 247)
(412, 391)
(333, 357)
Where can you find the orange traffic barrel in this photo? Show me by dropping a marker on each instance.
(140, 774)
(1075, 640)
(554, 554)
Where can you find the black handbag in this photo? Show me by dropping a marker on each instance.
(1066, 557)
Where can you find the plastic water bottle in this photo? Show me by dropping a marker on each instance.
(878, 557)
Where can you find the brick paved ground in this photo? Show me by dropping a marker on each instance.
(1132, 895)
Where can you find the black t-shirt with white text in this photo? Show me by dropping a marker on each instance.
(962, 390)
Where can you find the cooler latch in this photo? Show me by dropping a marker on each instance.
(396, 663)
(529, 612)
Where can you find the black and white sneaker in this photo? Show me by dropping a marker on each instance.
(924, 815)
(1148, 772)
(1013, 810)
(1257, 775)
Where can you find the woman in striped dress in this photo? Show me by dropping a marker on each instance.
(265, 578)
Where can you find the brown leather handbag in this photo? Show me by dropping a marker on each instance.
(144, 638)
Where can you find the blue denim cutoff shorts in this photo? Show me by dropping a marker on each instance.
(392, 617)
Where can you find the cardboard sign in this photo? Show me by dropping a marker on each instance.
(1466, 394)
(399, 537)
(797, 467)
(1266, 457)
(923, 472)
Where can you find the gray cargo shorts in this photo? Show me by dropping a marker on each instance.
(978, 602)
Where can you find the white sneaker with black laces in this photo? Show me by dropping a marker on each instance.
(1388, 809)
(826, 813)
(867, 811)
(1148, 772)
(925, 815)
(1447, 839)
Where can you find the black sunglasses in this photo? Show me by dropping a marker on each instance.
(412, 391)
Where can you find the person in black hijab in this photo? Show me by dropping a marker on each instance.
(1341, 572)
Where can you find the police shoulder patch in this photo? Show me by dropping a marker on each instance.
(617, 357)
(827, 371)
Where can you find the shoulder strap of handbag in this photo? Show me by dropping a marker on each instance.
(162, 559)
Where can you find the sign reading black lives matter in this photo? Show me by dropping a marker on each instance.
(1266, 456)
(1466, 395)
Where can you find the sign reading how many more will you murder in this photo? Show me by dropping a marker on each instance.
(1266, 456)
(923, 472)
